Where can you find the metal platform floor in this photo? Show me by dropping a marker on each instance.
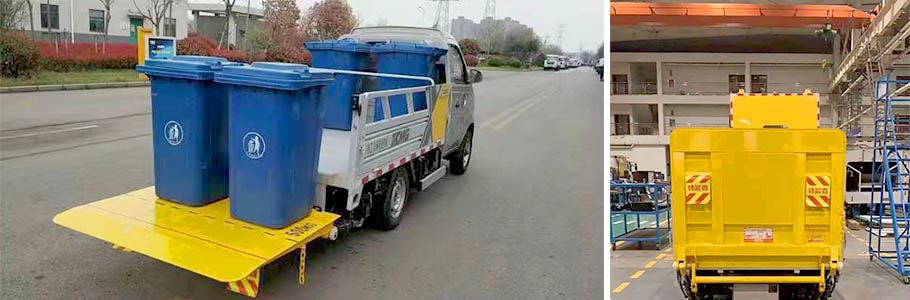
(641, 273)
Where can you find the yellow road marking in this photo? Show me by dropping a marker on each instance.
(637, 274)
(661, 256)
(664, 222)
(650, 264)
(668, 250)
(621, 287)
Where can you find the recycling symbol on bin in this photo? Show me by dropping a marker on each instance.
(173, 133)
(253, 145)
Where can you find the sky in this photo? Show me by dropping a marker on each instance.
(583, 19)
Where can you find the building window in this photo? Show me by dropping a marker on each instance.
(621, 125)
(619, 84)
(759, 83)
(95, 20)
(50, 18)
(170, 27)
(737, 82)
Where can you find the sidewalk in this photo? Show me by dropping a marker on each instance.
(72, 86)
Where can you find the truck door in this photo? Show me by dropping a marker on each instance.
(461, 104)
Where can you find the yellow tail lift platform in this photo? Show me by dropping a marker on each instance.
(205, 240)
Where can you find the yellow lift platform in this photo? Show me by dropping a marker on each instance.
(205, 239)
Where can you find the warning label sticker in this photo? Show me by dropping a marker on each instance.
(758, 235)
(818, 190)
(698, 188)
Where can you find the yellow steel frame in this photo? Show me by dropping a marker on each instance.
(205, 240)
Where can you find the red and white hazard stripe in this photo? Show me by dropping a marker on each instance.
(399, 162)
(818, 199)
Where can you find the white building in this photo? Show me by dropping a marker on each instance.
(83, 20)
(664, 77)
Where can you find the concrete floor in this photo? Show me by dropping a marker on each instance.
(525, 222)
(862, 278)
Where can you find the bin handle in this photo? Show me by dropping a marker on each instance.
(775, 126)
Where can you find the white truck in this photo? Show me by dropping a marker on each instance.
(551, 62)
(365, 174)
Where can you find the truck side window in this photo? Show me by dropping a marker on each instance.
(457, 66)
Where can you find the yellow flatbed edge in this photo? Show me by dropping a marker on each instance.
(205, 240)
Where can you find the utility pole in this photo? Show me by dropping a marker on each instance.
(489, 10)
(443, 21)
(559, 32)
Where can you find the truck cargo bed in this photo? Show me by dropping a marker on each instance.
(205, 239)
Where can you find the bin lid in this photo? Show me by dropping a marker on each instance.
(185, 67)
(347, 45)
(274, 75)
(403, 47)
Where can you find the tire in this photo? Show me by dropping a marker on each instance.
(389, 211)
(459, 161)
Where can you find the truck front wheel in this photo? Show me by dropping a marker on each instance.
(459, 160)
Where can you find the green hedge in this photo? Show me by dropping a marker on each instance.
(18, 55)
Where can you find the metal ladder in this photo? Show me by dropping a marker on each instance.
(891, 183)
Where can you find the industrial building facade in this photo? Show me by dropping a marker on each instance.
(694, 91)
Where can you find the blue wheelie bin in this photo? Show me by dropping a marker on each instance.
(189, 128)
(275, 112)
(341, 55)
(404, 59)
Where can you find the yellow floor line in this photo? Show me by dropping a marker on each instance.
(668, 249)
(664, 222)
(661, 256)
(650, 264)
(621, 287)
(620, 243)
(637, 274)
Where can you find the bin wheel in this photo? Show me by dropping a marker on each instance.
(906, 279)
(389, 212)
(458, 162)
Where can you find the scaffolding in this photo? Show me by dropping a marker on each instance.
(890, 200)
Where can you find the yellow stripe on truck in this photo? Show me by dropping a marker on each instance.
(440, 115)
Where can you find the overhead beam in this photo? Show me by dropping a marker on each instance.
(736, 15)
(856, 57)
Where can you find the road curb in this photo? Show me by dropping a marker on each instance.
(72, 86)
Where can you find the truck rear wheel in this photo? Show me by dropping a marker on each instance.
(389, 211)
(458, 162)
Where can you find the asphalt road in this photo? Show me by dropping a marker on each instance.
(525, 222)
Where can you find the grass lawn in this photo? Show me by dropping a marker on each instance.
(93, 76)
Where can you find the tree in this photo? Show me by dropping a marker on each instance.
(492, 33)
(552, 49)
(522, 43)
(154, 11)
(107, 21)
(229, 18)
(600, 51)
(469, 46)
(328, 20)
(11, 13)
(281, 37)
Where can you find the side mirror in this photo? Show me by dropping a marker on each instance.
(476, 76)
